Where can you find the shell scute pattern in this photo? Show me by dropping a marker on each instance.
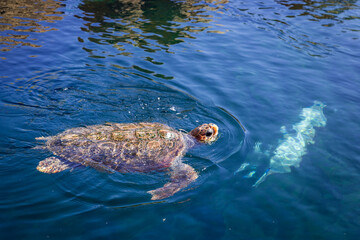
(123, 147)
(131, 147)
(121, 135)
(97, 136)
(146, 134)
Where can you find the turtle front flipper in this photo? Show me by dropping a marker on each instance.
(52, 165)
(181, 176)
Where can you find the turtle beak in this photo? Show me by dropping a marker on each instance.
(215, 128)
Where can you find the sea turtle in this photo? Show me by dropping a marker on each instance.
(128, 147)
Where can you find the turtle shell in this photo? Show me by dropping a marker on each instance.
(133, 147)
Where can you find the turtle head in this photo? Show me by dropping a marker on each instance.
(206, 133)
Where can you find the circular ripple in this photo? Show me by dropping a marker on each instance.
(59, 100)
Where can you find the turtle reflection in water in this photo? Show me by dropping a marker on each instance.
(132, 147)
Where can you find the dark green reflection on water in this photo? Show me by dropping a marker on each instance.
(318, 10)
(149, 25)
(283, 18)
(19, 18)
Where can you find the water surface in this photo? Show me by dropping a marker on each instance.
(248, 66)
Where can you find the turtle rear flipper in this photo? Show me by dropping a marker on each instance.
(181, 176)
(52, 165)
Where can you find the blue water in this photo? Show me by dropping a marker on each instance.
(249, 66)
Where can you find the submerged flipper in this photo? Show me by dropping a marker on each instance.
(181, 176)
(52, 165)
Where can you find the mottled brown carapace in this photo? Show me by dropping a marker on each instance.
(131, 147)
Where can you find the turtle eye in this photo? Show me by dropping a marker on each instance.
(209, 133)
